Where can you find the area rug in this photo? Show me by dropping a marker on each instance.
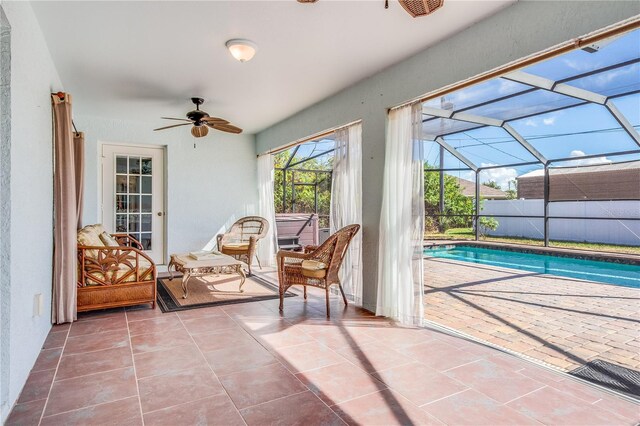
(212, 290)
(610, 375)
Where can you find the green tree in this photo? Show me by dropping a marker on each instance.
(455, 202)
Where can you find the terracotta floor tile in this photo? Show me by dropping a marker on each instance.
(579, 390)
(473, 408)
(214, 311)
(439, 355)
(159, 340)
(279, 335)
(55, 339)
(208, 324)
(301, 409)
(124, 412)
(26, 414)
(373, 357)
(94, 362)
(164, 324)
(215, 410)
(398, 338)
(145, 312)
(175, 388)
(101, 314)
(419, 383)
(262, 384)
(383, 408)
(99, 325)
(550, 406)
(542, 375)
(340, 382)
(81, 392)
(340, 337)
(307, 356)
(168, 360)
(228, 338)
(47, 360)
(238, 358)
(493, 380)
(96, 342)
(37, 386)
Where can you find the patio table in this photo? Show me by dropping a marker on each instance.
(214, 264)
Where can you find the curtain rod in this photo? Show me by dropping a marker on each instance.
(577, 43)
(309, 138)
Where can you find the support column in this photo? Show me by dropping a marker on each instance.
(476, 219)
(546, 205)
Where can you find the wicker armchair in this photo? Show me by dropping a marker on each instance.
(241, 240)
(317, 267)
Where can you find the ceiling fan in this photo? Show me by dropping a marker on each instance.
(415, 8)
(201, 122)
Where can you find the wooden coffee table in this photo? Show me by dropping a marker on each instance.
(190, 267)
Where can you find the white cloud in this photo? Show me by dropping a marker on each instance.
(586, 161)
(549, 121)
(531, 123)
(500, 176)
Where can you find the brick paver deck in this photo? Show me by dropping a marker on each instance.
(561, 321)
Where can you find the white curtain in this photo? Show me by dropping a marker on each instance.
(268, 245)
(346, 204)
(400, 268)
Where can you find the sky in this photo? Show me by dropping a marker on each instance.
(571, 132)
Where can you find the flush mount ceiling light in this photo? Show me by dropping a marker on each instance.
(242, 50)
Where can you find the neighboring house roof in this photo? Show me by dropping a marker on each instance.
(469, 190)
(584, 169)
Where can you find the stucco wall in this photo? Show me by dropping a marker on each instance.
(33, 78)
(517, 31)
(208, 187)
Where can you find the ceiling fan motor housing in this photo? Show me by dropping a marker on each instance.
(418, 8)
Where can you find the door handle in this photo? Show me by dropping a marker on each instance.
(160, 213)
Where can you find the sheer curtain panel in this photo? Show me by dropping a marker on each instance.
(268, 245)
(346, 204)
(400, 268)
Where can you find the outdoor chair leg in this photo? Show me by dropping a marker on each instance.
(327, 293)
(259, 264)
(305, 292)
(281, 291)
(343, 295)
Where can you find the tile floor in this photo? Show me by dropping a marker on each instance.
(247, 364)
(560, 321)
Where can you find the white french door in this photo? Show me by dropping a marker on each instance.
(133, 195)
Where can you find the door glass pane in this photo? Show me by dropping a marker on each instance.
(121, 164)
(146, 184)
(146, 222)
(146, 204)
(134, 165)
(146, 166)
(133, 178)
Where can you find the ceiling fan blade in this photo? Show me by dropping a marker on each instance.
(179, 119)
(215, 120)
(225, 128)
(175, 125)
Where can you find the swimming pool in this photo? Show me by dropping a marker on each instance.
(592, 270)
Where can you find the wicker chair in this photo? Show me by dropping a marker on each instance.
(241, 240)
(317, 267)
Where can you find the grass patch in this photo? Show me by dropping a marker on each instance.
(467, 234)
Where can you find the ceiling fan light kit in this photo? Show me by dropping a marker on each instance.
(201, 122)
(241, 49)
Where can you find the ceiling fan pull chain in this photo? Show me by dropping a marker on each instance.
(386, 4)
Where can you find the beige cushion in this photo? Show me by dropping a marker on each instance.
(108, 240)
(88, 236)
(313, 269)
(237, 246)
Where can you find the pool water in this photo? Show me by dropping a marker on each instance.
(592, 270)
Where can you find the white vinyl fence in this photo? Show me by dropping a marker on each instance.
(611, 231)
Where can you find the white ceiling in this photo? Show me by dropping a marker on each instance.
(143, 60)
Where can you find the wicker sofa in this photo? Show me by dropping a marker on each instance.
(113, 271)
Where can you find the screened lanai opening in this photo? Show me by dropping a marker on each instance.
(302, 192)
(532, 203)
(548, 155)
